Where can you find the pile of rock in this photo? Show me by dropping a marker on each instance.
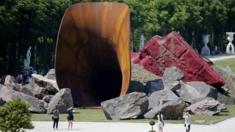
(172, 50)
(168, 94)
(41, 93)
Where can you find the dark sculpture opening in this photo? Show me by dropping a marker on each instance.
(106, 83)
(105, 77)
(97, 73)
(92, 52)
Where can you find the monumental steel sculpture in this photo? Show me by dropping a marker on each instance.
(92, 52)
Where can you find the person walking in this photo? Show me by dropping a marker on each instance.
(187, 121)
(160, 122)
(55, 118)
(70, 117)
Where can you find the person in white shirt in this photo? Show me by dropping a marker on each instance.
(187, 121)
(160, 122)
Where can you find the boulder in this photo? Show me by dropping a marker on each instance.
(50, 74)
(228, 77)
(195, 90)
(207, 106)
(225, 99)
(173, 86)
(172, 109)
(136, 86)
(31, 89)
(160, 97)
(45, 104)
(172, 74)
(139, 78)
(36, 105)
(26, 90)
(172, 77)
(50, 85)
(10, 83)
(172, 50)
(130, 106)
(153, 86)
(62, 100)
(47, 98)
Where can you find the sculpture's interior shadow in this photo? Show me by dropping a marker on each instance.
(97, 75)
(103, 68)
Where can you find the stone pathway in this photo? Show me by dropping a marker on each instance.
(225, 126)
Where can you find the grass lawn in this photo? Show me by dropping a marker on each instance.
(97, 115)
(227, 62)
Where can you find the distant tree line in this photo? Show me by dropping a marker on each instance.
(35, 23)
(25, 23)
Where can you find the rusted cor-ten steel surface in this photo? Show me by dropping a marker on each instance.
(92, 52)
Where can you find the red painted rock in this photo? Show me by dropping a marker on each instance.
(173, 50)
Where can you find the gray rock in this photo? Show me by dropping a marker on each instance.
(62, 100)
(31, 89)
(47, 98)
(207, 106)
(228, 77)
(45, 104)
(10, 83)
(136, 86)
(153, 86)
(49, 84)
(173, 85)
(51, 74)
(139, 78)
(172, 77)
(26, 90)
(36, 105)
(160, 97)
(172, 109)
(225, 99)
(130, 106)
(172, 74)
(195, 90)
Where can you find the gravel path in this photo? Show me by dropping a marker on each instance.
(225, 126)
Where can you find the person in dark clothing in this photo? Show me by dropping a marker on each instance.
(55, 118)
(70, 117)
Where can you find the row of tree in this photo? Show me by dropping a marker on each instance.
(35, 23)
(25, 23)
(192, 18)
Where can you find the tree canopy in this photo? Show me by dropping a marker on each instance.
(35, 23)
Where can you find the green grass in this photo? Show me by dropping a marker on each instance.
(80, 114)
(227, 62)
(97, 115)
